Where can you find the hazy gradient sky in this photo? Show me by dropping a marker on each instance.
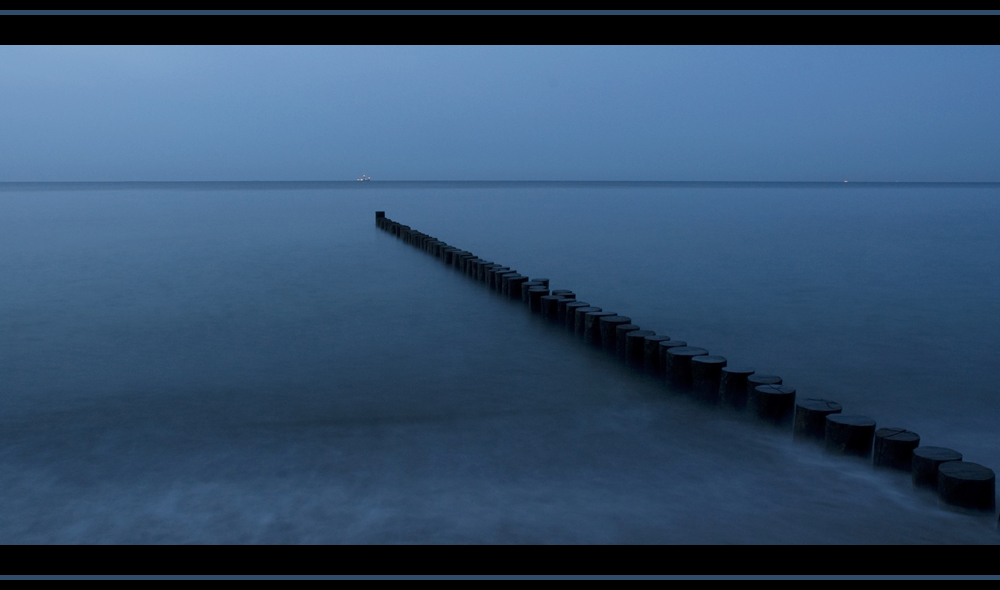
(500, 113)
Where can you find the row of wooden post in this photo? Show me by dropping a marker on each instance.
(709, 378)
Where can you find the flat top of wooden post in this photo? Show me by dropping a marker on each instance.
(967, 471)
(937, 453)
(897, 434)
(668, 344)
(709, 359)
(691, 351)
(775, 389)
(639, 334)
(851, 419)
(818, 405)
(616, 319)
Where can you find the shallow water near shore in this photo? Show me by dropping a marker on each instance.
(257, 363)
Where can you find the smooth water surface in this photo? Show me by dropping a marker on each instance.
(257, 363)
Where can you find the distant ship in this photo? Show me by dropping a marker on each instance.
(363, 178)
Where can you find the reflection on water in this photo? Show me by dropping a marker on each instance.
(221, 364)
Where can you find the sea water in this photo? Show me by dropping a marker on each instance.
(257, 363)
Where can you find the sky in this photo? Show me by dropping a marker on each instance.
(685, 113)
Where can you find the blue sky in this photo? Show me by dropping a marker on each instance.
(500, 113)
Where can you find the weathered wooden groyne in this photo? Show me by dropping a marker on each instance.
(691, 370)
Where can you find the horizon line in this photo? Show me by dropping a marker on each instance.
(8, 182)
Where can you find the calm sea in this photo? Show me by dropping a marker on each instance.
(257, 363)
